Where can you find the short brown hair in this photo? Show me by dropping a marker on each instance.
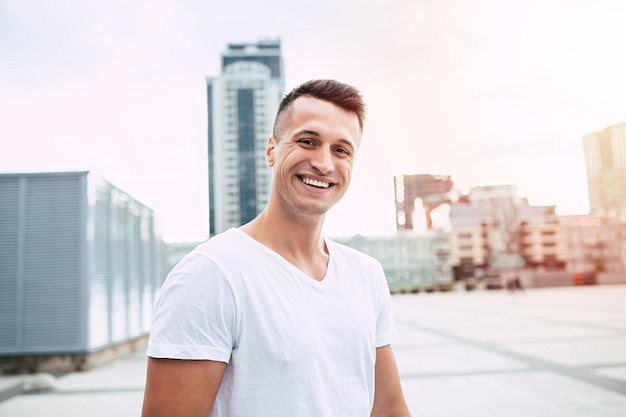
(342, 95)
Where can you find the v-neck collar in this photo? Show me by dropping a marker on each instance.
(320, 283)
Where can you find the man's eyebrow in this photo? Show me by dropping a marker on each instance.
(348, 142)
(307, 132)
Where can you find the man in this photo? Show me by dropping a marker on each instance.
(271, 319)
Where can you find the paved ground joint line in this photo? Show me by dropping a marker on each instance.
(583, 374)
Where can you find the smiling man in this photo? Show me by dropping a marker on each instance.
(271, 318)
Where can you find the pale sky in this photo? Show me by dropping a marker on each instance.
(487, 91)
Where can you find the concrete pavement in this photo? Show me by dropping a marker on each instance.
(548, 352)
(541, 353)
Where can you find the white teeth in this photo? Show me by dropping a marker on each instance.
(315, 183)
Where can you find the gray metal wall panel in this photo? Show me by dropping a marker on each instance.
(9, 292)
(124, 267)
(99, 327)
(52, 264)
(134, 274)
(118, 310)
(80, 264)
(148, 268)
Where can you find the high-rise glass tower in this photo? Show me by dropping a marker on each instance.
(241, 105)
(605, 159)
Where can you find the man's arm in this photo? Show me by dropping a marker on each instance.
(388, 397)
(181, 388)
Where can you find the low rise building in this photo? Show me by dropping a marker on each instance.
(81, 263)
(469, 243)
(593, 244)
(541, 237)
(411, 261)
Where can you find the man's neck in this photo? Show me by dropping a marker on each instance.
(299, 241)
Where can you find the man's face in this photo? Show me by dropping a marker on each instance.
(313, 156)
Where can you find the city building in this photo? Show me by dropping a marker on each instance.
(541, 237)
(494, 232)
(433, 190)
(411, 261)
(241, 105)
(501, 202)
(605, 162)
(485, 231)
(174, 252)
(469, 246)
(593, 244)
(81, 265)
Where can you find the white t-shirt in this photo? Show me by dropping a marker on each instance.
(295, 346)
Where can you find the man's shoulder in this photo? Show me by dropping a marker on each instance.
(227, 243)
(219, 255)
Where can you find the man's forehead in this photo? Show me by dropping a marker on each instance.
(308, 104)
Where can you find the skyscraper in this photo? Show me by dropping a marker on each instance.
(605, 159)
(241, 105)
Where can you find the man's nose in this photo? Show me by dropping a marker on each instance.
(323, 160)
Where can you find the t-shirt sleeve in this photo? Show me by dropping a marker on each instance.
(195, 314)
(385, 327)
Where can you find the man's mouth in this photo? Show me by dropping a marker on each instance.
(315, 183)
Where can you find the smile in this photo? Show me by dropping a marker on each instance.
(315, 183)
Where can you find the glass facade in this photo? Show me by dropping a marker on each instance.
(272, 62)
(266, 52)
(209, 93)
(241, 103)
(605, 159)
(247, 171)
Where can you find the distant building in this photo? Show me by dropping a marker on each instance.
(493, 229)
(485, 230)
(469, 245)
(605, 160)
(175, 252)
(80, 264)
(502, 202)
(410, 260)
(433, 190)
(541, 237)
(593, 244)
(241, 105)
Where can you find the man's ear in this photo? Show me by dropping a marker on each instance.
(269, 151)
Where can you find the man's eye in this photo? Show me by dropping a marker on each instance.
(343, 151)
(305, 141)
